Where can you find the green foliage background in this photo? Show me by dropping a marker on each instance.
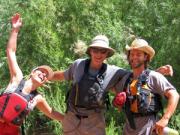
(52, 28)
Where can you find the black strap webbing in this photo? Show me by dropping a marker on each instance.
(19, 91)
(128, 112)
(20, 86)
(101, 72)
(4, 106)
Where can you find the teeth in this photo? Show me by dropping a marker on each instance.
(40, 77)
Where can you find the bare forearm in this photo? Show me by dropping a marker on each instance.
(58, 76)
(12, 43)
(56, 115)
(53, 114)
(44, 107)
(173, 98)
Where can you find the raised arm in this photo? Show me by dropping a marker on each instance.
(44, 107)
(15, 72)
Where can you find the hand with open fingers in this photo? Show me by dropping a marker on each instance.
(160, 125)
(16, 21)
(166, 70)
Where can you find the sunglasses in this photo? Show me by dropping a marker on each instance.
(98, 50)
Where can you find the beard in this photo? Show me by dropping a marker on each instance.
(137, 64)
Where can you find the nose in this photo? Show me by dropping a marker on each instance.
(98, 53)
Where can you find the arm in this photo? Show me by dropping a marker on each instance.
(58, 75)
(44, 107)
(173, 98)
(165, 70)
(15, 72)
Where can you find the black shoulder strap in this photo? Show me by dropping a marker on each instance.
(127, 81)
(101, 72)
(144, 76)
(126, 108)
(86, 67)
(20, 86)
(19, 91)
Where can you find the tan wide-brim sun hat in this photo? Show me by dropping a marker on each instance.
(47, 69)
(142, 45)
(101, 41)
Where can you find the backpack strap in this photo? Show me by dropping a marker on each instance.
(87, 64)
(101, 71)
(144, 76)
(4, 106)
(28, 97)
(20, 86)
(101, 74)
(126, 108)
(100, 80)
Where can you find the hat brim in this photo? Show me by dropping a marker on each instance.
(47, 69)
(147, 49)
(96, 45)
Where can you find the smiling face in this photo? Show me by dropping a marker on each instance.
(98, 55)
(137, 58)
(39, 76)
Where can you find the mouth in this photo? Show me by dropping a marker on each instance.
(41, 77)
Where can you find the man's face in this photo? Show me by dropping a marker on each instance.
(98, 55)
(137, 58)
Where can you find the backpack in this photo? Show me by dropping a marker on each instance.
(140, 101)
(88, 92)
(14, 106)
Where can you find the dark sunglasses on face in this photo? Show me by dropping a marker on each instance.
(97, 50)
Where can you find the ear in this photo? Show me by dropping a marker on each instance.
(146, 56)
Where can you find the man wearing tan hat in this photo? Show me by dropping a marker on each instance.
(91, 80)
(144, 89)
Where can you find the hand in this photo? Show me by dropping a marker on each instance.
(166, 70)
(160, 125)
(16, 21)
(119, 100)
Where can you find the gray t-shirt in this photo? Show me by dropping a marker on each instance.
(113, 74)
(157, 84)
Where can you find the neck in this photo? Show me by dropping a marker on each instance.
(29, 86)
(137, 71)
(95, 66)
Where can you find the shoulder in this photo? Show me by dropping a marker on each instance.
(13, 85)
(116, 73)
(78, 61)
(116, 68)
(155, 75)
(157, 78)
(159, 82)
